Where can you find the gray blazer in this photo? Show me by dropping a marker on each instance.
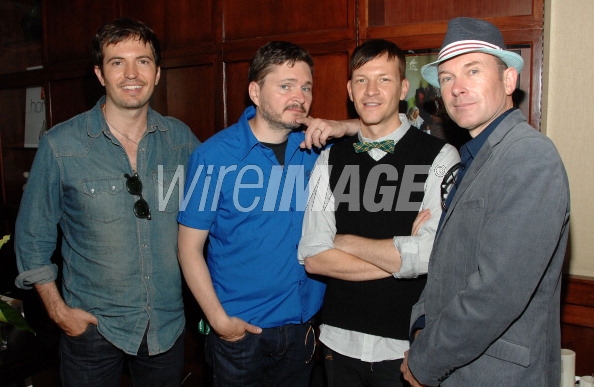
(492, 299)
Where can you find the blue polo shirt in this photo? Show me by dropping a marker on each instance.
(253, 209)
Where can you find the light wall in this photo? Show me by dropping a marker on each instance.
(568, 115)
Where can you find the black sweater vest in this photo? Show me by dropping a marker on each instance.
(379, 307)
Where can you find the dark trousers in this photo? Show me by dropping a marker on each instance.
(280, 356)
(344, 371)
(91, 361)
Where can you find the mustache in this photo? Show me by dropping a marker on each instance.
(295, 106)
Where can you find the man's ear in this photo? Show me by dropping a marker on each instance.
(99, 74)
(510, 76)
(405, 87)
(254, 93)
(350, 90)
(158, 76)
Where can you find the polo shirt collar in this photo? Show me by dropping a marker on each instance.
(247, 140)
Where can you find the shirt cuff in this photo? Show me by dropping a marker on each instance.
(409, 256)
(41, 275)
(311, 245)
(419, 324)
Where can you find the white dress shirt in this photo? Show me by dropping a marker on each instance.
(319, 230)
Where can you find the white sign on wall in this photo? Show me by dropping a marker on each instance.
(34, 116)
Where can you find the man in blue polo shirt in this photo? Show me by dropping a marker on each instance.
(246, 193)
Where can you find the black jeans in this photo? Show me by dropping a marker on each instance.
(344, 371)
(280, 356)
(91, 361)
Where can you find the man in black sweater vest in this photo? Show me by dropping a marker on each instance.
(365, 194)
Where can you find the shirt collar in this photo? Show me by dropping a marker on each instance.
(396, 135)
(94, 130)
(469, 150)
(245, 136)
(247, 141)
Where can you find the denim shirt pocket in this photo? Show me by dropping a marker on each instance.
(104, 199)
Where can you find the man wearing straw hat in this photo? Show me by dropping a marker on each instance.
(489, 314)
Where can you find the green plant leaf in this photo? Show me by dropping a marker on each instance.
(4, 239)
(12, 316)
(8, 314)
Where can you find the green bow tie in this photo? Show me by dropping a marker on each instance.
(386, 146)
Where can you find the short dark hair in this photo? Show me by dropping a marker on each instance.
(121, 30)
(276, 53)
(374, 48)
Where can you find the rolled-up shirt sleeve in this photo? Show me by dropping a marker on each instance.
(415, 250)
(42, 275)
(319, 222)
(36, 228)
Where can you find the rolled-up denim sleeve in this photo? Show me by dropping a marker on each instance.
(36, 229)
(42, 275)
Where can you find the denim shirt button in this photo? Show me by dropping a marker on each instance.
(92, 190)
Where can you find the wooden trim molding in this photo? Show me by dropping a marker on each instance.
(577, 301)
(577, 321)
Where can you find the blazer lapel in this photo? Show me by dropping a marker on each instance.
(481, 159)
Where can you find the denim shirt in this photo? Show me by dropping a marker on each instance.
(120, 268)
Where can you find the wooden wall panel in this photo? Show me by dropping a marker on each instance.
(397, 12)
(20, 40)
(236, 95)
(69, 27)
(69, 97)
(192, 94)
(14, 158)
(189, 25)
(12, 104)
(426, 26)
(577, 321)
(330, 97)
(15, 162)
(245, 19)
(152, 13)
(179, 24)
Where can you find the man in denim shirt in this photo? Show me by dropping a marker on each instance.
(102, 177)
